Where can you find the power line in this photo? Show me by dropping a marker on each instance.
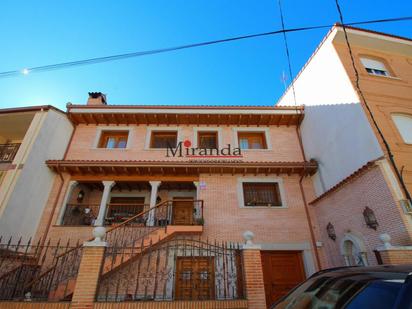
(89, 61)
(378, 129)
(285, 40)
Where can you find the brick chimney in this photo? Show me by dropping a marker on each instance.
(96, 98)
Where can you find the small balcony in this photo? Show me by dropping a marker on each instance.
(8, 152)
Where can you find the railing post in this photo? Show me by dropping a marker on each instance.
(253, 272)
(91, 263)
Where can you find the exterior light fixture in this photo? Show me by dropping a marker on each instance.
(80, 196)
(331, 231)
(370, 218)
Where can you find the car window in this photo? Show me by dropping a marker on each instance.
(377, 294)
(350, 291)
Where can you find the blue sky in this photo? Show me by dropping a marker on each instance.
(237, 73)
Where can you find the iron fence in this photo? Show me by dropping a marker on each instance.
(177, 269)
(36, 271)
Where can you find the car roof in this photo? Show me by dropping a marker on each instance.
(380, 269)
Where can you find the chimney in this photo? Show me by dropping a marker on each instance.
(96, 98)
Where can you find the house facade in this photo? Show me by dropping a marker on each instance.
(360, 194)
(157, 177)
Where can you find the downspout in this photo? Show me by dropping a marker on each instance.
(49, 222)
(312, 233)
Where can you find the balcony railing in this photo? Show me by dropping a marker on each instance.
(117, 213)
(80, 214)
(8, 152)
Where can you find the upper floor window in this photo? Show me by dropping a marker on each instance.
(375, 67)
(252, 140)
(261, 194)
(163, 139)
(207, 140)
(404, 125)
(113, 139)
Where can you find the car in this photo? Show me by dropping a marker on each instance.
(383, 286)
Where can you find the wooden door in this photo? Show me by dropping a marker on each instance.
(183, 208)
(282, 271)
(195, 278)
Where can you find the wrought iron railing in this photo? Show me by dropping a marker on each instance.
(8, 152)
(23, 266)
(177, 269)
(117, 213)
(80, 214)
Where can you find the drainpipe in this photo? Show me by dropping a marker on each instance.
(49, 222)
(312, 233)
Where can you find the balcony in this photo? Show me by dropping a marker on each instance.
(8, 152)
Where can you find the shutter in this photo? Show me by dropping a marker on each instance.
(373, 64)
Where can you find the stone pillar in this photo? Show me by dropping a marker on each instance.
(72, 184)
(153, 196)
(252, 265)
(103, 203)
(394, 254)
(85, 291)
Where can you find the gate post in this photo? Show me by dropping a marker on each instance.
(85, 291)
(252, 263)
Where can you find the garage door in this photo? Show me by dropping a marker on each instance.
(282, 270)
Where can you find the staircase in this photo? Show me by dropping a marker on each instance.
(127, 242)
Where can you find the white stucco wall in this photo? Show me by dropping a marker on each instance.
(340, 138)
(24, 208)
(323, 80)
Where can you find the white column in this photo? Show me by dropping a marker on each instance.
(153, 196)
(72, 184)
(198, 213)
(103, 203)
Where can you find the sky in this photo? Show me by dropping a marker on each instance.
(247, 72)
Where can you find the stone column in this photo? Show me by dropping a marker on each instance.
(153, 196)
(108, 185)
(85, 291)
(252, 265)
(70, 187)
(198, 213)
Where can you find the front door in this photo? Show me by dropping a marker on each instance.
(282, 270)
(195, 278)
(183, 211)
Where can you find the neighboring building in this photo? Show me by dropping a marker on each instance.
(355, 176)
(28, 137)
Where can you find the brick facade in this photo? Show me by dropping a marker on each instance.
(344, 207)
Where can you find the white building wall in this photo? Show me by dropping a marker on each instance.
(323, 80)
(340, 138)
(24, 207)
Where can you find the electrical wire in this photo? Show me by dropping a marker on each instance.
(90, 61)
(285, 40)
(357, 84)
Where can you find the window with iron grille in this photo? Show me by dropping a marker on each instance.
(252, 140)
(261, 194)
(163, 139)
(207, 140)
(113, 139)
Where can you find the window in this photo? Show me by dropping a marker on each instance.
(374, 67)
(261, 194)
(113, 139)
(207, 140)
(163, 139)
(404, 125)
(252, 140)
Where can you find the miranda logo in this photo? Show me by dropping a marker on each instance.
(185, 149)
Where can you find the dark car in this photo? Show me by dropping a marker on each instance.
(384, 286)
